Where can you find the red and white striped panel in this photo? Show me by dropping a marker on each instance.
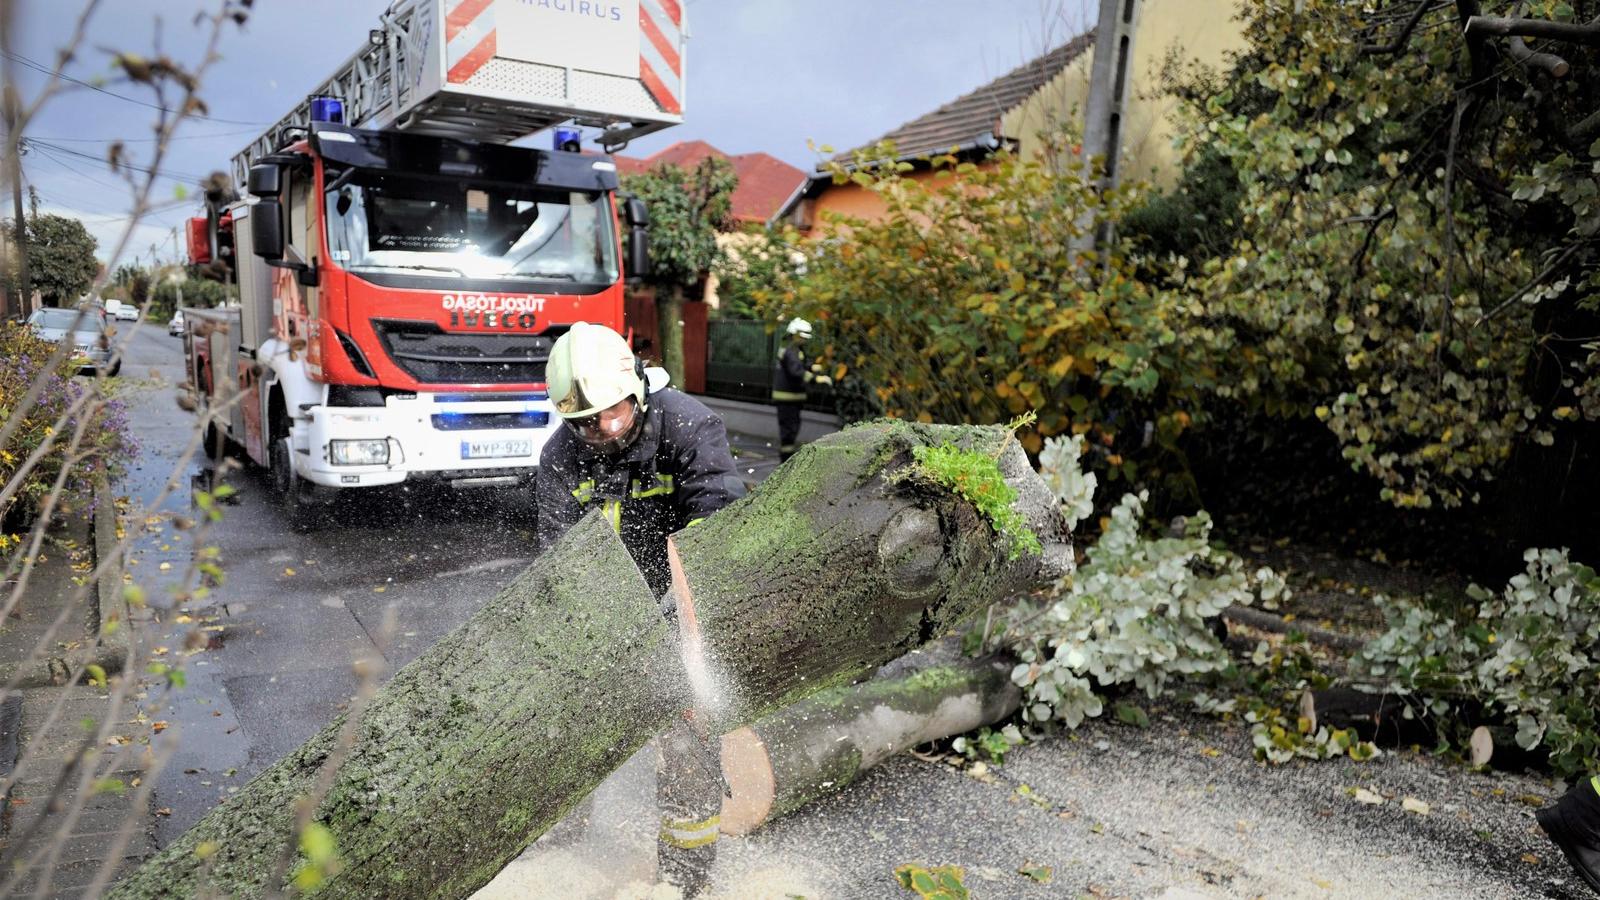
(660, 66)
(468, 36)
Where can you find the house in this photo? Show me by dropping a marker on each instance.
(1012, 111)
(765, 181)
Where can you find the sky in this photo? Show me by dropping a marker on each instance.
(763, 75)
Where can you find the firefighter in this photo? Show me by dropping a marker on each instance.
(1573, 824)
(789, 380)
(653, 461)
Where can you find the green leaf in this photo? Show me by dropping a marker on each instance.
(1041, 874)
(317, 843)
(1128, 714)
(97, 675)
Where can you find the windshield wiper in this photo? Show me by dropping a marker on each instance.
(549, 276)
(451, 269)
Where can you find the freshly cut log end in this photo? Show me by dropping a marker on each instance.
(823, 743)
(834, 565)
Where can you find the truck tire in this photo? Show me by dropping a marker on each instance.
(213, 443)
(301, 511)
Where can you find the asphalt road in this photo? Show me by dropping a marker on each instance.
(1176, 811)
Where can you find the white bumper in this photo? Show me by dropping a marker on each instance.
(456, 438)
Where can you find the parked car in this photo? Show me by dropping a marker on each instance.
(86, 329)
(175, 326)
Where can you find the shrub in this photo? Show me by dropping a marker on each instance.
(107, 446)
(1530, 653)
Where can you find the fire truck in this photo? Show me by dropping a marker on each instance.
(403, 268)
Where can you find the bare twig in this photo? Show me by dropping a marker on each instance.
(1537, 280)
(1404, 37)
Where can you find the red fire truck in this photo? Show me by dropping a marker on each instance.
(403, 270)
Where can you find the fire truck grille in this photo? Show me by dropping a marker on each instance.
(430, 355)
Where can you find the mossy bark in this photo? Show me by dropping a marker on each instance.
(823, 743)
(469, 752)
(836, 566)
(478, 746)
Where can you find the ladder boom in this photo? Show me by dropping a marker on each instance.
(404, 79)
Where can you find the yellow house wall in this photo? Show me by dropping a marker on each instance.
(1203, 31)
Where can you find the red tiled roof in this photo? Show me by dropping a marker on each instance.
(765, 181)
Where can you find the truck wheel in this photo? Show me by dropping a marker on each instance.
(291, 490)
(213, 444)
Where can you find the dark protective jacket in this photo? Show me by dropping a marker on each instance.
(678, 471)
(789, 376)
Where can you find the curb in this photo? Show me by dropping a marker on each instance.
(111, 648)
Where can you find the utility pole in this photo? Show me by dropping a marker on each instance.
(1108, 96)
(24, 285)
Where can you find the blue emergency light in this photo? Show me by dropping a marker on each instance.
(327, 109)
(568, 139)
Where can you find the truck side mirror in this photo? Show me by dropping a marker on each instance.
(638, 213)
(266, 229)
(265, 181)
(638, 251)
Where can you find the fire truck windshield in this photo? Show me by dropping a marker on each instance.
(380, 222)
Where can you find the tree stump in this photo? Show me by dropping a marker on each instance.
(468, 754)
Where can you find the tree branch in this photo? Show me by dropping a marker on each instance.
(1401, 39)
(1588, 35)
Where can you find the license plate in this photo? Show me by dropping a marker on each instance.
(496, 449)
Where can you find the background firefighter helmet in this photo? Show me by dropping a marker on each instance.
(800, 328)
(591, 368)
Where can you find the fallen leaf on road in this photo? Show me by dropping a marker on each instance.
(1210, 751)
(379, 589)
(288, 572)
(1363, 795)
(164, 566)
(1530, 859)
(1041, 874)
(164, 811)
(1413, 805)
(158, 727)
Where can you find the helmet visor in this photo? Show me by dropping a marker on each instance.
(610, 430)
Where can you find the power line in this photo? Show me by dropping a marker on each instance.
(149, 140)
(46, 70)
(176, 176)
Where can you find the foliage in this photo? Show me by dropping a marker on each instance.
(1530, 653)
(688, 208)
(1134, 613)
(108, 445)
(1269, 689)
(1416, 236)
(61, 263)
(130, 284)
(988, 743)
(753, 272)
(976, 476)
(936, 883)
(965, 302)
(169, 295)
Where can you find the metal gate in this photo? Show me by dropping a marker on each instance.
(739, 357)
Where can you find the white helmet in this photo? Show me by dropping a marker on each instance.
(799, 327)
(592, 368)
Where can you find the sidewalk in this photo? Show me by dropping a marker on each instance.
(60, 829)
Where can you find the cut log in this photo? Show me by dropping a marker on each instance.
(832, 567)
(819, 745)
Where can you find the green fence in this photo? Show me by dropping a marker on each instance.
(740, 355)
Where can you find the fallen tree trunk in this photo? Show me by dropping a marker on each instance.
(823, 743)
(473, 750)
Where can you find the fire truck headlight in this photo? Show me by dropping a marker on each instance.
(359, 453)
